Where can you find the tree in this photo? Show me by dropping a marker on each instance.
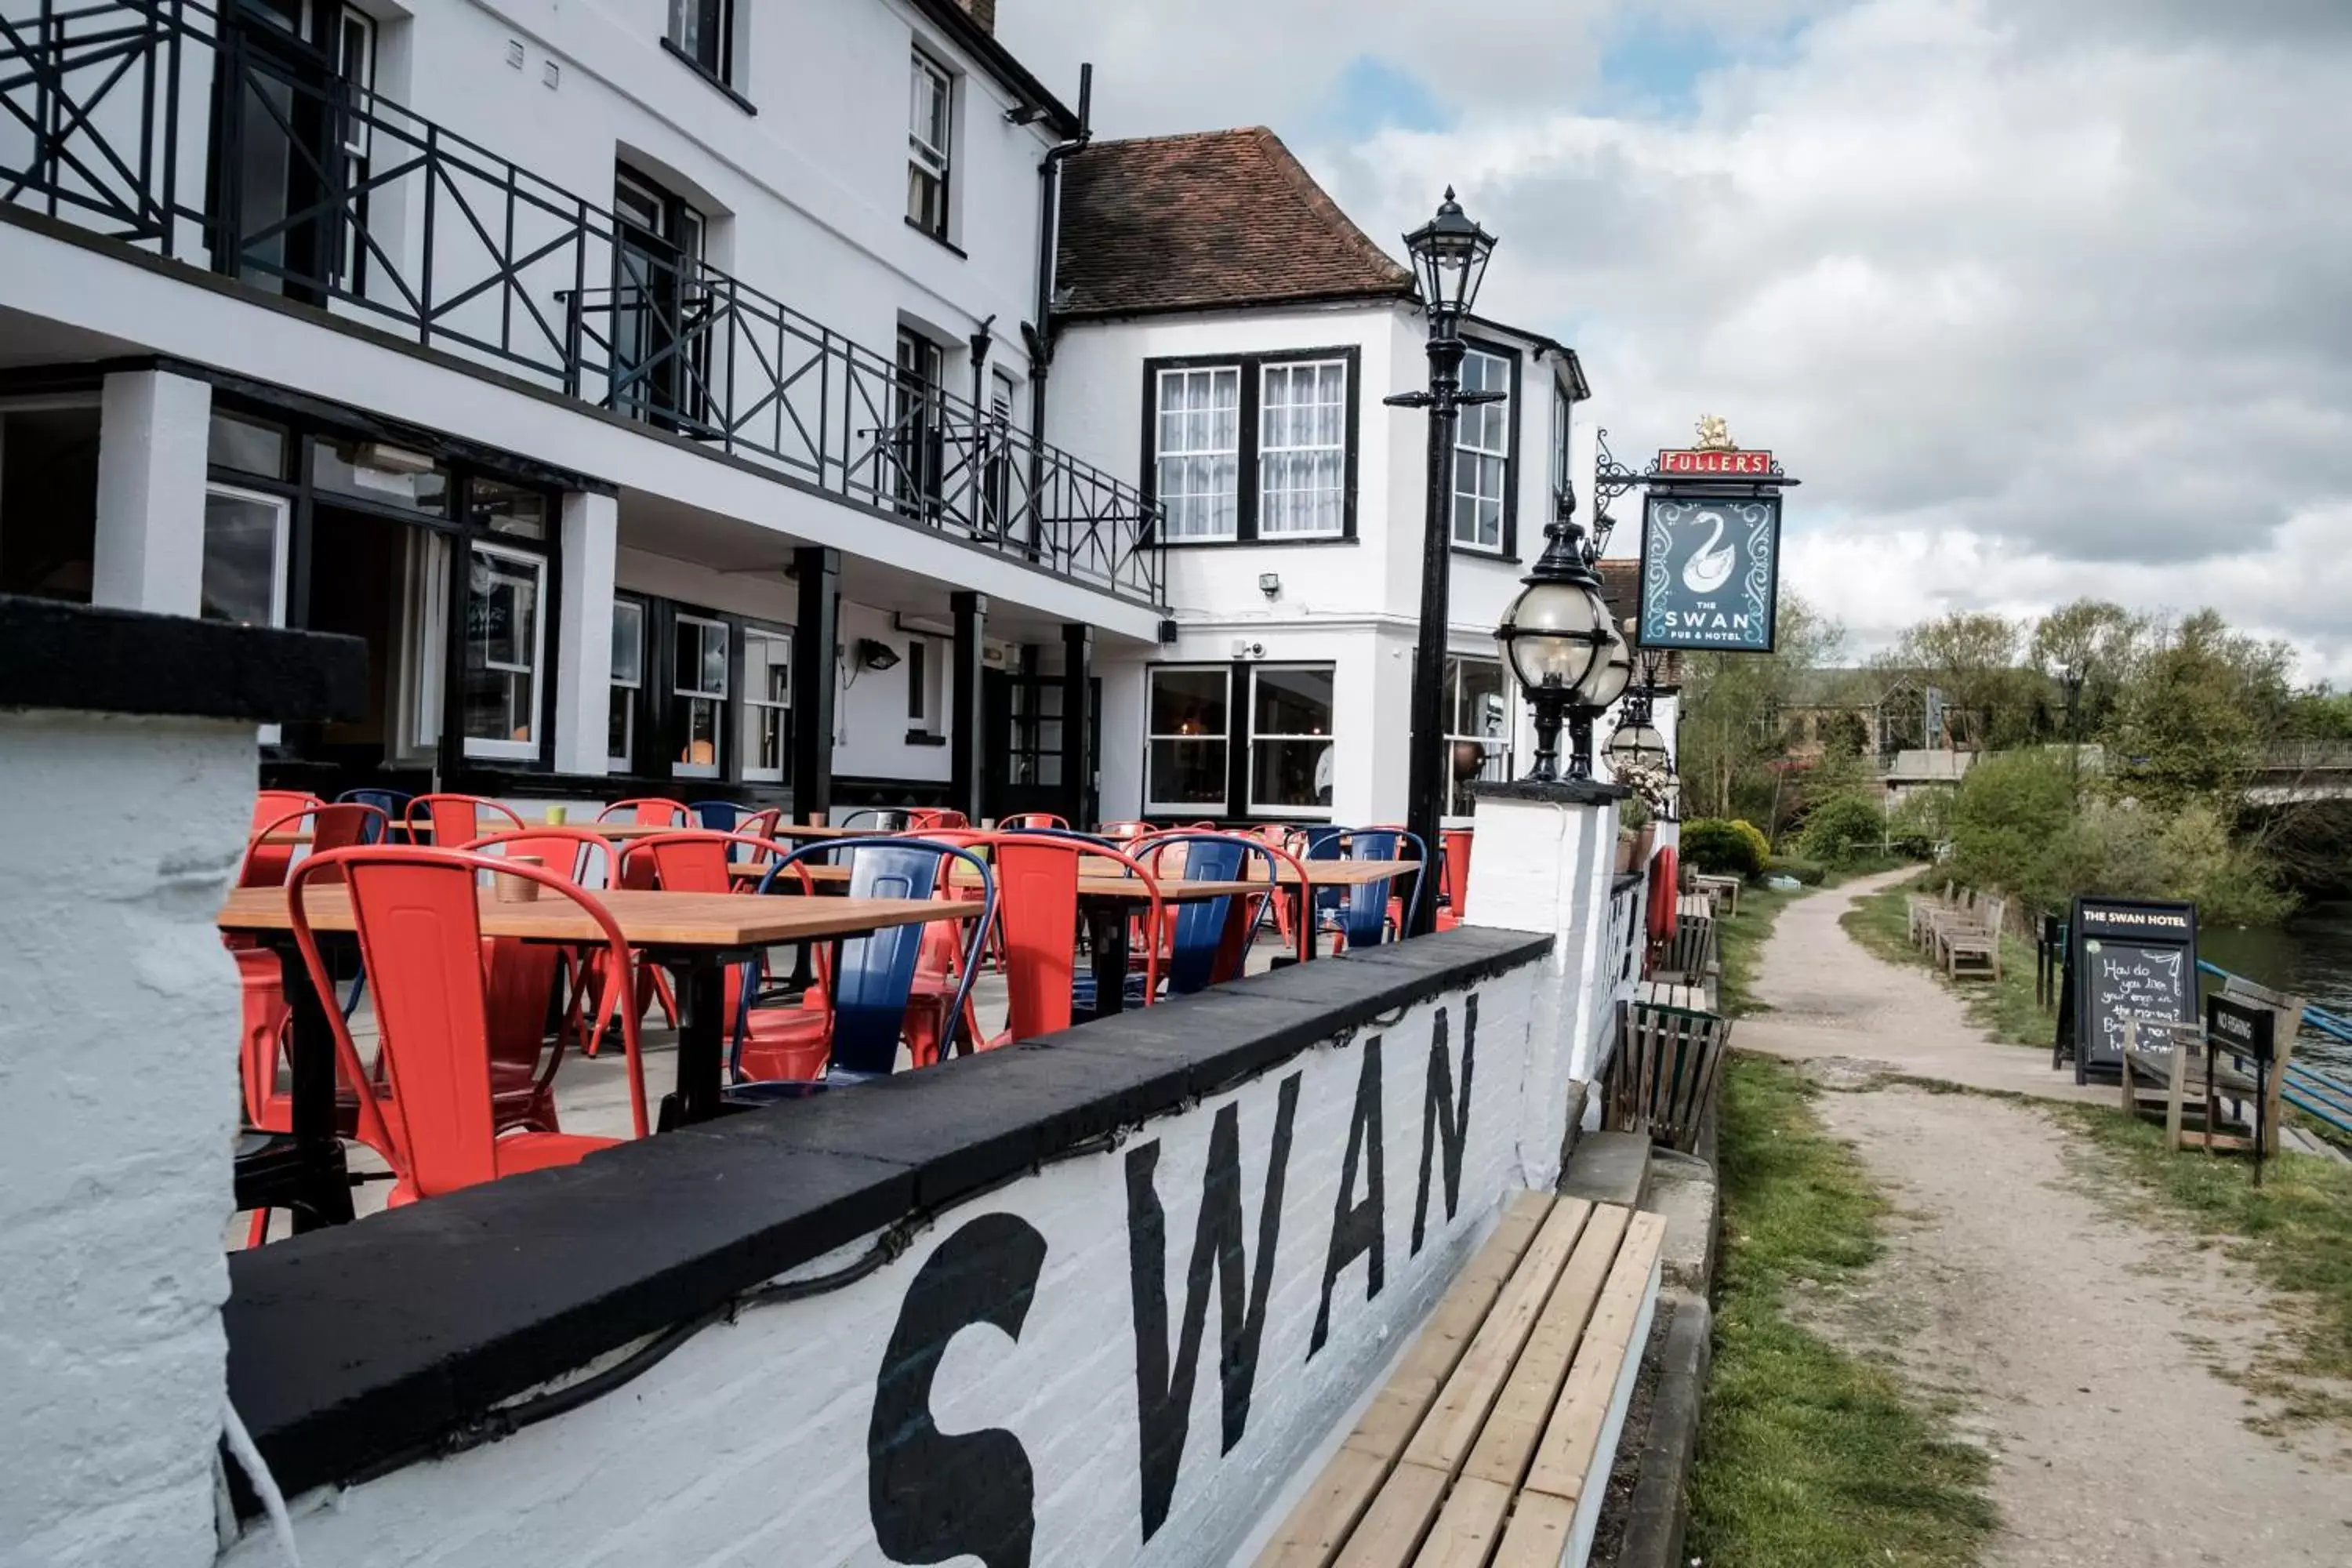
(2194, 719)
(2101, 642)
(1728, 724)
(1971, 655)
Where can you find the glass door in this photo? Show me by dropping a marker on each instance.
(660, 342)
(289, 133)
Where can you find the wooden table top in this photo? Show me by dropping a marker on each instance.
(646, 919)
(1172, 890)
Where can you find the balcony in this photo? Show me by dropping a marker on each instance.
(147, 124)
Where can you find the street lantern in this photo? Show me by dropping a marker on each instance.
(1449, 260)
(1638, 742)
(1558, 641)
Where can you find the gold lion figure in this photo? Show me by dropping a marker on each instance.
(1714, 433)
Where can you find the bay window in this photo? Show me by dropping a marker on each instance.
(1482, 457)
(1291, 754)
(1253, 449)
(767, 704)
(1186, 744)
(699, 692)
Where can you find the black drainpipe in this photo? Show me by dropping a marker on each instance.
(1041, 346)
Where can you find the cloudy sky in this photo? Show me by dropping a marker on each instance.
(2040, 300)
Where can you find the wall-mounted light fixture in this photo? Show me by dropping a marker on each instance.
(875, 653)
(1270, 585)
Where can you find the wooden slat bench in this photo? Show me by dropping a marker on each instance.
(1491, 1443)
(1663, 1077)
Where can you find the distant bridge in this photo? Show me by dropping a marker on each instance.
(2302, 772)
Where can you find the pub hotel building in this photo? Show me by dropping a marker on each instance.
(788, 406)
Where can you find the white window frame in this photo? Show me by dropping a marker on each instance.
(626, 762)
(753, 705)
(923, 688)
(423, 654)
(1454, 665)
(523, 750)
(1223, 738)
(1268, 451)
(722, 67)
(1162, 456)
(351, 23)
(1331, 739)
(1485, 460)
(717, 762)
(283, 509)
(929, 83)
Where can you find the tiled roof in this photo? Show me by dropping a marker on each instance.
(1210, 220)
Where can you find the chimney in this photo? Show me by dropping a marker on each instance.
(982, 12)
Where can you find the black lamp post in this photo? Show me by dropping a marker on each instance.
(1449, 258)
(1569, 660)
(1637, 742)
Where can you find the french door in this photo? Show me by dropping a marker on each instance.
(661, 351)
(290, 144)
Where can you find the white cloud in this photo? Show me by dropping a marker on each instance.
(2040, 300)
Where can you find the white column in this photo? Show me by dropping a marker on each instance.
(153, 429)
(1541, 860)
(583, 655)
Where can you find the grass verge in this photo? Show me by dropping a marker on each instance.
(2004, 1008)
(1739, 943)
(2294, 1232)
(1808, 1457)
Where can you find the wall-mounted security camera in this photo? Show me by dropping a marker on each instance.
(1244, 649)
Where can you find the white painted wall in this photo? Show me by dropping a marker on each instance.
(149, 543)
(583, 659)
(117, 1109)
(753, 1440)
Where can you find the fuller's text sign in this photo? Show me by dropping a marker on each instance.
(1702, 464)
(1710, 569)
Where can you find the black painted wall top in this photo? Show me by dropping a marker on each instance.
(90, 660)
(355, 1347)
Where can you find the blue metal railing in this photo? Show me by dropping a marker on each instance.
(2322, 1095)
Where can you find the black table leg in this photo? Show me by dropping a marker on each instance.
(311, 1051)
(700, 978)
(1106, 929)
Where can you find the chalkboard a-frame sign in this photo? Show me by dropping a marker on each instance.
(2125, 958)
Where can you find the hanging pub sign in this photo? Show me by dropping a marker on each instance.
(2126, 959)
(1711, 547)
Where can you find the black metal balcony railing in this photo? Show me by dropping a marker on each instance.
(143, 121)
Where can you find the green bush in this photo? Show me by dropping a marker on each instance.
(1812, 873)
(1843, 831)
(1921, 822)
(1725, 846)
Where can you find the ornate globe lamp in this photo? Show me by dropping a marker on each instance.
(1558, 641)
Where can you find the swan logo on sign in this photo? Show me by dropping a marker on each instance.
(1710, 572)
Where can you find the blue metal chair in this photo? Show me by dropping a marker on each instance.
(1200, 926)
(393, 802)
(718, 816)
(875, 974)
(1363, 915)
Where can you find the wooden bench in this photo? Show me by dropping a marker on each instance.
(1490, 1446)
(1722, 891)
(1664, 1073)
(1970, 949)
(2167, 1067)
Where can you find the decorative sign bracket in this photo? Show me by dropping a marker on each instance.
(1710, 540)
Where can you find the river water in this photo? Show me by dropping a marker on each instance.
(2310, 956)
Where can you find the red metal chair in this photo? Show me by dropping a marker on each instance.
(932, 819)
(570, 853)
(455, 818)
(1038, 910)
(648, 811)
(1023, 819)
(271, 809)
(692, 861)
(1453, 867)
(443, 1125)
(1208, 942)
(1120, 832)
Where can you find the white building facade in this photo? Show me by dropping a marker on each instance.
(651, 383)
(1223, 319)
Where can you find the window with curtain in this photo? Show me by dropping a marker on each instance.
(767, 704)
(1200, 450)
(1481, 455)
(1187, 740)
(698, 684)
(1302, 461)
